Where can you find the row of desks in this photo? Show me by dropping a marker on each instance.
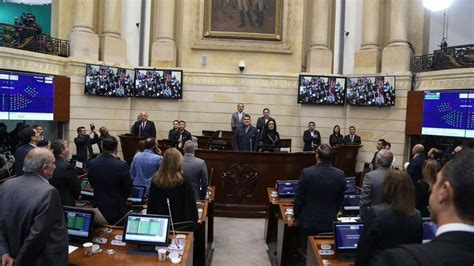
(285, 233)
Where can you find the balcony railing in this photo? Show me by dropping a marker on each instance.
(26, 38)
(461, 56)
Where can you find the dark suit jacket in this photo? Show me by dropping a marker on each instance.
(147, 132)
(450, 248)
(271, 139)
(319, 196)
(182, 203)
(110, 179)
(261, 123)
(66, 182)
(20, 155)
(245, 141)
(371, 189)
(347, 140)
(185, 136)
(32, 224)
(84, 146)
(422, 197)
(386, 230)
(415, 167)
(173, 134)
(195, 170)
(99, 141)
(309, 140)
(336, 139)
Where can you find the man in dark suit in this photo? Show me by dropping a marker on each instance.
(319, 195)
(415, 167)
(381, 144)
(245, 136)
(144, 127)
(195, 170)
(237, 117)
(173, 132)
(30, 138)
(371, 187)
(32, 225)
(183, 135)
(311, 137)
(84, 144)
(262, 121)
(452, 210)
(110, 179)
(65, 178)
(352, 138)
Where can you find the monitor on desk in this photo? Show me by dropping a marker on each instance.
(351, 202)
(286, 188)
(79, 223)
(86, 188)
(346, 236)
(146, 229)
(137, 195)
(429, 230)
(210, 133)
(351, 186)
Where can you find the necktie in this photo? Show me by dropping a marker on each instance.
(240, 117)
(247, 130)
(352, 138)
(143, 125)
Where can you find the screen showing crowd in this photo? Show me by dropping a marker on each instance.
(321, 90)
(109, 81)
(376, 91)
(156, 83)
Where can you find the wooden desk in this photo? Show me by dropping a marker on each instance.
(211, 191)
(122, 257)
(288, 238)
(201, 250)
(271, 221)
(314, 258)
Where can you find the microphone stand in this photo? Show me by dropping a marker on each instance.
(172, 225)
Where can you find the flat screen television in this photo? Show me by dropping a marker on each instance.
(109, 81)
(159, 83)
(448, 113)
(26, 96)
(321, 90)
(371, 91)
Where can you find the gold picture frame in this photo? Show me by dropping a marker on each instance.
(243, 19)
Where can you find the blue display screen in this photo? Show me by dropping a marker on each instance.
(26, 96)
(347, 235)
(448, 113)
(429, 230)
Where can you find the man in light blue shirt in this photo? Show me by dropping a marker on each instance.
(145, 164)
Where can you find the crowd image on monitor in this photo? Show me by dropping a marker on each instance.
(109, 81)
(158, 84)
(378, 91)
(321, 90)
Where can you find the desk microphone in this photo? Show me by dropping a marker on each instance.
(251, 144)
(172, 225)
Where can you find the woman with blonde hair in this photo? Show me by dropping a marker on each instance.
(170, 183)
(430, 169)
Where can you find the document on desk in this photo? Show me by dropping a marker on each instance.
(72, 248)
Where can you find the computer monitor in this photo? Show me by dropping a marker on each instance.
(79, 223)
(351, 186)
(146, 229)
(346, 236)
(137, 195)
(351, 202)
(86, 188)
(429, 230)
(286, 188)
(210, 133)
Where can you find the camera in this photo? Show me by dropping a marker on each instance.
(92, 127)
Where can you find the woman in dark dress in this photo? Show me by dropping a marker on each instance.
(393, 222)
(336, 138)
(270, 135)
(431, 167)
(169, 183)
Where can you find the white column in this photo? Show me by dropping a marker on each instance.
(84, 41)
(368, 56)
(113, 49)
(319, 58)
(163, 50)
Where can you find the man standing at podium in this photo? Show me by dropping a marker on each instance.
(311, 137)
(352, 138)
(245, 136)
(143, 127)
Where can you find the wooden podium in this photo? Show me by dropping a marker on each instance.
(345, 158)
(130, 145)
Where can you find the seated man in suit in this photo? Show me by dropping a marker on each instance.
(245, 136)
(195, 170)
(262, 121)
(416, 163)
(144, 127)
(237, 117)
(110, 179)
(352, 138)
(30, 138)
(319, 196)
(65, 176)
(370, 194)
(32, 224)
(452, 210)
(84, 144)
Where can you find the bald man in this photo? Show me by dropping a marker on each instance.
(143, 127)
(416, 163)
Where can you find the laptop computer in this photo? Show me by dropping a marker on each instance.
(286, 188)
(79, 224)
(86, 188)
(429, 229)
(346, 237)
(137, 195)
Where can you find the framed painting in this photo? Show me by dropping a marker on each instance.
(243, 19)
